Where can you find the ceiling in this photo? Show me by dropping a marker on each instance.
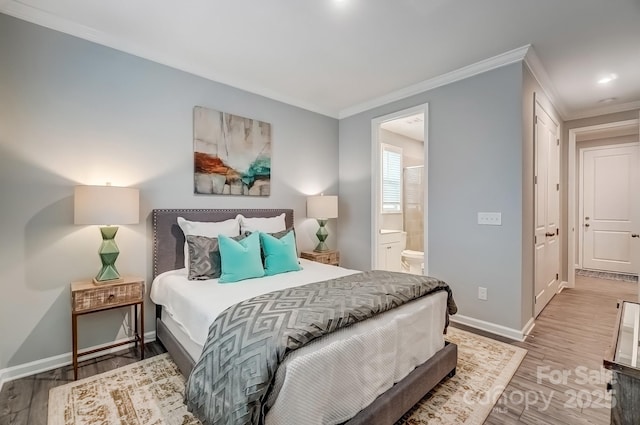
(341, 57)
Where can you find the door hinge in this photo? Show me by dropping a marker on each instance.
(557, 277)
(535, 179)
(558, 142)
(536, 119)
(557, 186)
(557, 231)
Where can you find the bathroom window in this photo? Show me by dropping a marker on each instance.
(391, 179)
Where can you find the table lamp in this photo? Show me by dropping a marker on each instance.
(322, 208)
(105, 206)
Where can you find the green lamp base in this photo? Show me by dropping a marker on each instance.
(108, 254)
(322, 235)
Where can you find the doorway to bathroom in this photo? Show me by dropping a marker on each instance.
(399, 191)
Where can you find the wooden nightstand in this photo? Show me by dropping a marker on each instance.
(327, 257)
(86, 297)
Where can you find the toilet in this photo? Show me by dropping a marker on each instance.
(412, 261)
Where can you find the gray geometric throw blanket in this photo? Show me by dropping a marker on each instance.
(248, 341)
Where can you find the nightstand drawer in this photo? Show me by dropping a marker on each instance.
(99, 298)
(329, 257)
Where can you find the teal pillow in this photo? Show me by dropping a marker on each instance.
(280, 255)
(240, 259)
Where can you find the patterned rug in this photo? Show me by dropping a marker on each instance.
(150, 391)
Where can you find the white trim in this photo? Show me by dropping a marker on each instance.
(485, 65)
(49, 20)
(54, 362)
(515, 334)
(563, 285)
(571, 189)
(375, 178)
(542, 77)
(579, 233)
(571, 211)
(603, 110)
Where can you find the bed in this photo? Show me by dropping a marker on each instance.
(181, 327)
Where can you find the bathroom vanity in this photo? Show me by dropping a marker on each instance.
(390, 250)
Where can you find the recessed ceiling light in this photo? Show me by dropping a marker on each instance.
(607, 79)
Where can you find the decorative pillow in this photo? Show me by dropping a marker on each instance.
(280, 254)
(262, 224)
(204, 257)
(278, 235)
(240, 259)
(211, 229)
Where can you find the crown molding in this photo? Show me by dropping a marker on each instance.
(525, 53)
(49, 20)
(540, 74)
(485, 65)
(604, 110)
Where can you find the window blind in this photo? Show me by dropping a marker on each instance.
(391, 179)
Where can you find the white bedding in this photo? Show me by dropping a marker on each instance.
(356, 364)
(194, 304)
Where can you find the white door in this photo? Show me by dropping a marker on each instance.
(547, 209)
(611, 204)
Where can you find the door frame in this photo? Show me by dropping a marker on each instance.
(571, 187)
(376, 177)
(537, 104)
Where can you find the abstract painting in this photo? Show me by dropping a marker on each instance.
(232, 154)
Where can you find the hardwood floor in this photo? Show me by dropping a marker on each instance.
(25, 401)
(572, 332)
(570, 337)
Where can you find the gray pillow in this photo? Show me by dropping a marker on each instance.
(204, 257)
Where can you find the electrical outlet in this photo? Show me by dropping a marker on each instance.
(490, 218)
(482, 293)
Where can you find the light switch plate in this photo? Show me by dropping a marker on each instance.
(490, 218)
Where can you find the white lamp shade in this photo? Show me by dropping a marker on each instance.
(322, 207)
(106, 205)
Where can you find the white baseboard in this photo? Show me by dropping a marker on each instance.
(42, 365)
(518, 335)
(563, 285)
(528, 328)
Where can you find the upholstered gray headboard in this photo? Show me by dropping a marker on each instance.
(168, 239)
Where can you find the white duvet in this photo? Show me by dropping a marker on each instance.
(329, 380)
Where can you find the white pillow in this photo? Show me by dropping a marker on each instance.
(262, 224)
(210, 229)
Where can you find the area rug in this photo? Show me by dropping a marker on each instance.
(151, 391)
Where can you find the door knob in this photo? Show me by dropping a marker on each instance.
(586, 225)
(549, 234)
(635, 235)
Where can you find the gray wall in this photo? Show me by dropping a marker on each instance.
(475, 164)
(73, 112)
